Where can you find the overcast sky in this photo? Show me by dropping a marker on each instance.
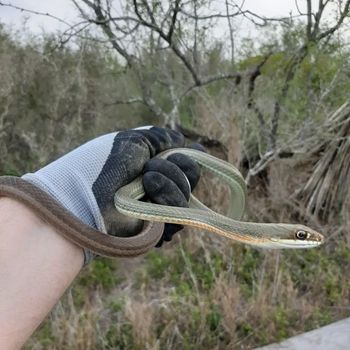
(60, 8)
(65, 9)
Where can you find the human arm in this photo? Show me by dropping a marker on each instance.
(36, 263)
(36, 266)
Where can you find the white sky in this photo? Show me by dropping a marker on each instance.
(61, 8)
(65, 10)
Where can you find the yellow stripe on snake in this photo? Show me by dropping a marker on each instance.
(264, 235)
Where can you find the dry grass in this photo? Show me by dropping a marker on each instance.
(141, 316)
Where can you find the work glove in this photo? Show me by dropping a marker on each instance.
(85, 180)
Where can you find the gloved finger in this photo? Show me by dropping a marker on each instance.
(172, 172)
(162, 190)
(188, 166)
(169, 231)
(161, 139)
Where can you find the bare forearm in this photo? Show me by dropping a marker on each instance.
(36, 267)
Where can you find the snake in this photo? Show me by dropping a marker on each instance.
(127, 202)
(262, 235)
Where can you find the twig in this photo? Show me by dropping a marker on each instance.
(38, 13)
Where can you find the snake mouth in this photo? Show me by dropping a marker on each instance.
(289, 243)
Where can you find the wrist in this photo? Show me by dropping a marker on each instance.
(36, 267)
(29, 226)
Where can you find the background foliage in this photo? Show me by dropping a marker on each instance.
(200, 291)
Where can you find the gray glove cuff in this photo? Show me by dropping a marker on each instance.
(69, 180)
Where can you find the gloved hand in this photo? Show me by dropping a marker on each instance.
(85, 180)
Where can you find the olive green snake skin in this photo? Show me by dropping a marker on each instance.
(264, 235)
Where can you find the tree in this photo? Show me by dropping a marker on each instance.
(313, 39)
(164, 45)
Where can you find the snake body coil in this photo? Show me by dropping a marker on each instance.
(198, 215)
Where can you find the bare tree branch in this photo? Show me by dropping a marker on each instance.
(125, 102)
(332, 30)
(231, 33)
(260, 165)
(298, 9)
(173, 20)
(208, 17)
(309, 19)
(254, 74)
(104, 24)
(33, 12)
(171, 43)
(265, 20)
(250, 15)
(195, 39)
(237, 77)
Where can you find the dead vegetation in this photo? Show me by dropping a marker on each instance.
(327, 189)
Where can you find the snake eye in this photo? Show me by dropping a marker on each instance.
(302, 235)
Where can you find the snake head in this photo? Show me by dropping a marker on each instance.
(298, 236)
(304, 234)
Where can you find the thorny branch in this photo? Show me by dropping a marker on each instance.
(38, 13)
